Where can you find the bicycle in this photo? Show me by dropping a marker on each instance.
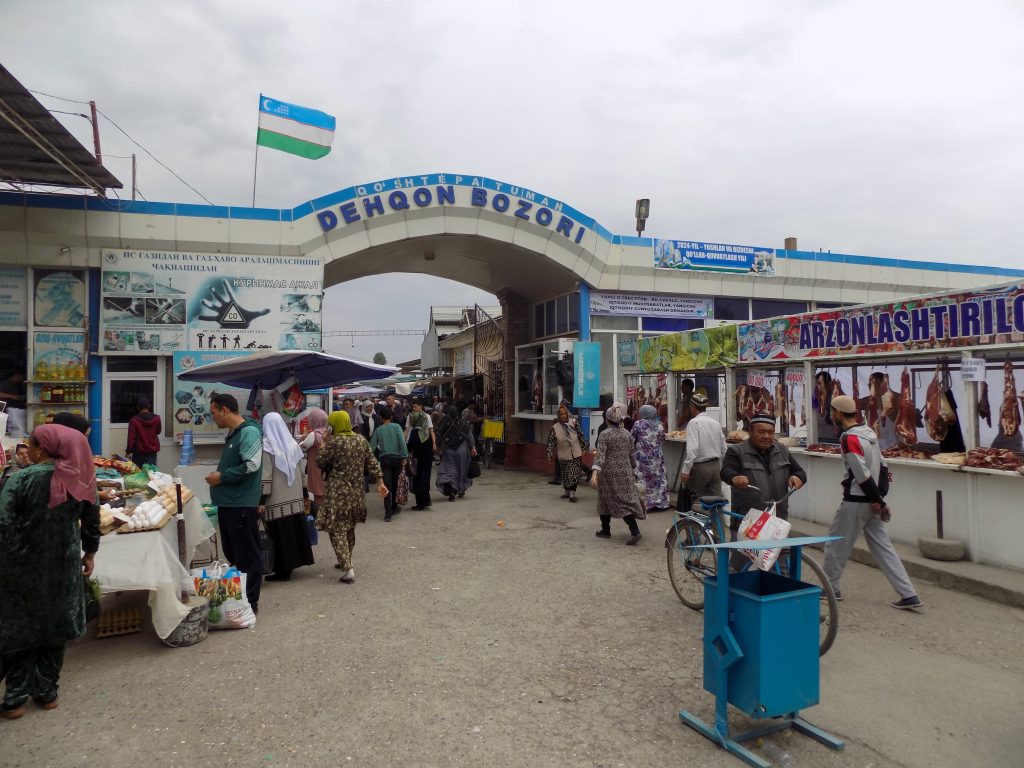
(687, 568)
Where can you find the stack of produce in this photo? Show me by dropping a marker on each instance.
(153, 514)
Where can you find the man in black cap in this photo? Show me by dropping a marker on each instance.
(760, 461)
(705, 444)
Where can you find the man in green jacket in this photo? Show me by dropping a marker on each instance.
(235, 490)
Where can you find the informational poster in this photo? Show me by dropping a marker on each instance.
(714, 257)
(993, 316)
(972, 368)
(587, 379)
(651, 305)
(13, 297)
(192, 398)
(627, 352)
(156, 302)
(60, 297)
(58, 356)
(462, 360)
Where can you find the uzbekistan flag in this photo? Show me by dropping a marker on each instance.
(291, 128)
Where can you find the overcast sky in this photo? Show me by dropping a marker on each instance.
(859, 126)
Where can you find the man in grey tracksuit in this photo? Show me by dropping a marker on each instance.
(863, 508)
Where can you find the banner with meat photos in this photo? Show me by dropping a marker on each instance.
(951, 320)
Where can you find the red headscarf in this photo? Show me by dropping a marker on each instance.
(73, 474)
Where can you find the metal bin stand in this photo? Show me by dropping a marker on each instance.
(760, 648)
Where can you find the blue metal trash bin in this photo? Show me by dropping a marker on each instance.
(775, 620)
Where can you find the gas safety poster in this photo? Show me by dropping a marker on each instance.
(161, 302)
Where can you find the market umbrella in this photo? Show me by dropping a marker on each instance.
(269, 370)
(361, 390)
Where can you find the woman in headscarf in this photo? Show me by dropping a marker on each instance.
(419, 432)
(18, 459)
(566, 441)
(613, 476)
(48, 517)
(283, 499)
(648, 438)
(345, 458)
(457, 450)
(311, 444)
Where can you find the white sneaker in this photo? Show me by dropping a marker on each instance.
(348, 576)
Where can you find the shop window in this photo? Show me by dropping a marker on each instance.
(549, 318)
(670, 324)
(538, 320)
(124, 398)
(829, 304)
(763, 308)
(732, 309)
(613, 323)
(131, 364)
(562, 325)
(574, 312)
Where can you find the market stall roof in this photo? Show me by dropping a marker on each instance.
(313, 370)
(360, 390)
(36, 149)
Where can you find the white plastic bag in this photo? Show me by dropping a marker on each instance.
(224, 587)
(763, 525)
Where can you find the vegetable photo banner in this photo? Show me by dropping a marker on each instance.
(689, 350)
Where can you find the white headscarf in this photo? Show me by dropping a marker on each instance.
(281, 445)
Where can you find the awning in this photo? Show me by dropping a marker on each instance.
(36, 149)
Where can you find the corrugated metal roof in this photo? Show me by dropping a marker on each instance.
(36, 149)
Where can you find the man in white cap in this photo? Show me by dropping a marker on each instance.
(863, 507)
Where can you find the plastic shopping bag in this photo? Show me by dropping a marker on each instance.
(763, 525)
(402, 491)
(224, 587)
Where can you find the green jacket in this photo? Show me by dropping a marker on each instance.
(240, 467)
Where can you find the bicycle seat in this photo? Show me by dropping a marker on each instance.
(713, 502)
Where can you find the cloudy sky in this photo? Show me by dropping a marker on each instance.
(859, 126)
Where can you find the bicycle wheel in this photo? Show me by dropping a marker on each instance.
(828, 622)
(488, 452)
(687, 568)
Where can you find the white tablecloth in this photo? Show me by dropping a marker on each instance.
(149, 561)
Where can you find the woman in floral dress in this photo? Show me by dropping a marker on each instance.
(648, 437)
(344, 459)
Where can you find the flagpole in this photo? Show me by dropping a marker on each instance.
(256, 160)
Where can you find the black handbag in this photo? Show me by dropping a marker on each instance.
(474, 468)
(266, 550)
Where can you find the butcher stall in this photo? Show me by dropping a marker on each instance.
(934, 376)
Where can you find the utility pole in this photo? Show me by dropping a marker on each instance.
(96, 132)
(133, 176)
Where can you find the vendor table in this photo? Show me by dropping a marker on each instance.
(149, 560)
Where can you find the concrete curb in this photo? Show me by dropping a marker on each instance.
(999, 585)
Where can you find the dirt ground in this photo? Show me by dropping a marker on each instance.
(465, 641)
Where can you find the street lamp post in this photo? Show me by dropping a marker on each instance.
(643, 210)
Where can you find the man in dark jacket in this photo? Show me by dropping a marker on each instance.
(144, 430)
(761, 462)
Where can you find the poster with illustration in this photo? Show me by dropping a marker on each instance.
(191, 409)
(59, 297)
(166, 302)
(13, 296)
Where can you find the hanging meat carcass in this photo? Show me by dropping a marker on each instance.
(935, 413)
(782, 402)
(984, 408)
(906, 412)
(1009, 412)
(751, 401)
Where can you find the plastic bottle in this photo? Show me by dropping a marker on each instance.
(777, 755)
